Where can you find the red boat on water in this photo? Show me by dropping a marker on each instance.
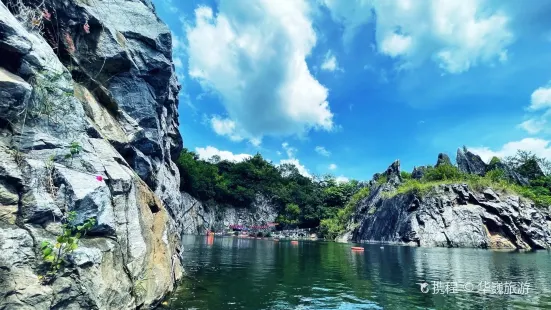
(357, 248)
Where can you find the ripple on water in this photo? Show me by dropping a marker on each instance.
(260, 275)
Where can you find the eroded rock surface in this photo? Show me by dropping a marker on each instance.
(102, 84)
(471, 163)
(443, 159)
(196, 217)
(451, 215)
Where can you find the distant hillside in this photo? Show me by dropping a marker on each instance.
(503, 204)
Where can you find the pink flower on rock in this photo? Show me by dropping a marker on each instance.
(46, 15)
(99, 178)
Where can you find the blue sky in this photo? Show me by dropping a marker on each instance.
(347, 87)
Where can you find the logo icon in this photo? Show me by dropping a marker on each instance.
(424, 287)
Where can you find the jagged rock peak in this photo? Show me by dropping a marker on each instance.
(469, 162)
(393, 169)
(393, 173)
(418, 172)
(443, 159)
(509, 172)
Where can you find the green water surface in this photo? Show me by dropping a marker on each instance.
(235, 273)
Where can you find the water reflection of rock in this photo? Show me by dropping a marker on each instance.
(393, 272)
(261, 274)
(475, 266)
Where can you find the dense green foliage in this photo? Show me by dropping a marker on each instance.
(303, 201)
(442, 172)
(336, 224)
(529, 165)
(225, 182)
(290, 215)
(324, 202)
(405, 175)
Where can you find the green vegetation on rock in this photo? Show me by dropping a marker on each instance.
(525, 163)
(56, 256)
(324, 202)
(302, 201)
(336, 224)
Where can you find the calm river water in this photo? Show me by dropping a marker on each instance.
(234, 273)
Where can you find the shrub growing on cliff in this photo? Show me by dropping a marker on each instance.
(417, 187)
(405, 175)
(48, 99)
(529, 165)
(336, 225)
(74, 150)
(31, 16)
(442, 173)
(56, 256)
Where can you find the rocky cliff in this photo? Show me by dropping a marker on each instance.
(196, 217)
(449, 215)
(88, 124)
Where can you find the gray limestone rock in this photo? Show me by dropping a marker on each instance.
(418, 172)
(197, 218)
(453, 216)
(392, 174)
(469, 162)
(443, 159)
(119, 105)
(14, 95)
(509, 173)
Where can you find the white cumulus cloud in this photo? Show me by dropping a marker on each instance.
(206, 153)
(541, 98)
(252, 54)
(295, 162)
(539, 111)
(291, 151)
(395, 45)
(533, 126)
(322, 151)
(178, 62)
(342, 179)
(540, 147)
(330, 62)
(457, 35)
(332, 167)
(291, 154)
(225, 127)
